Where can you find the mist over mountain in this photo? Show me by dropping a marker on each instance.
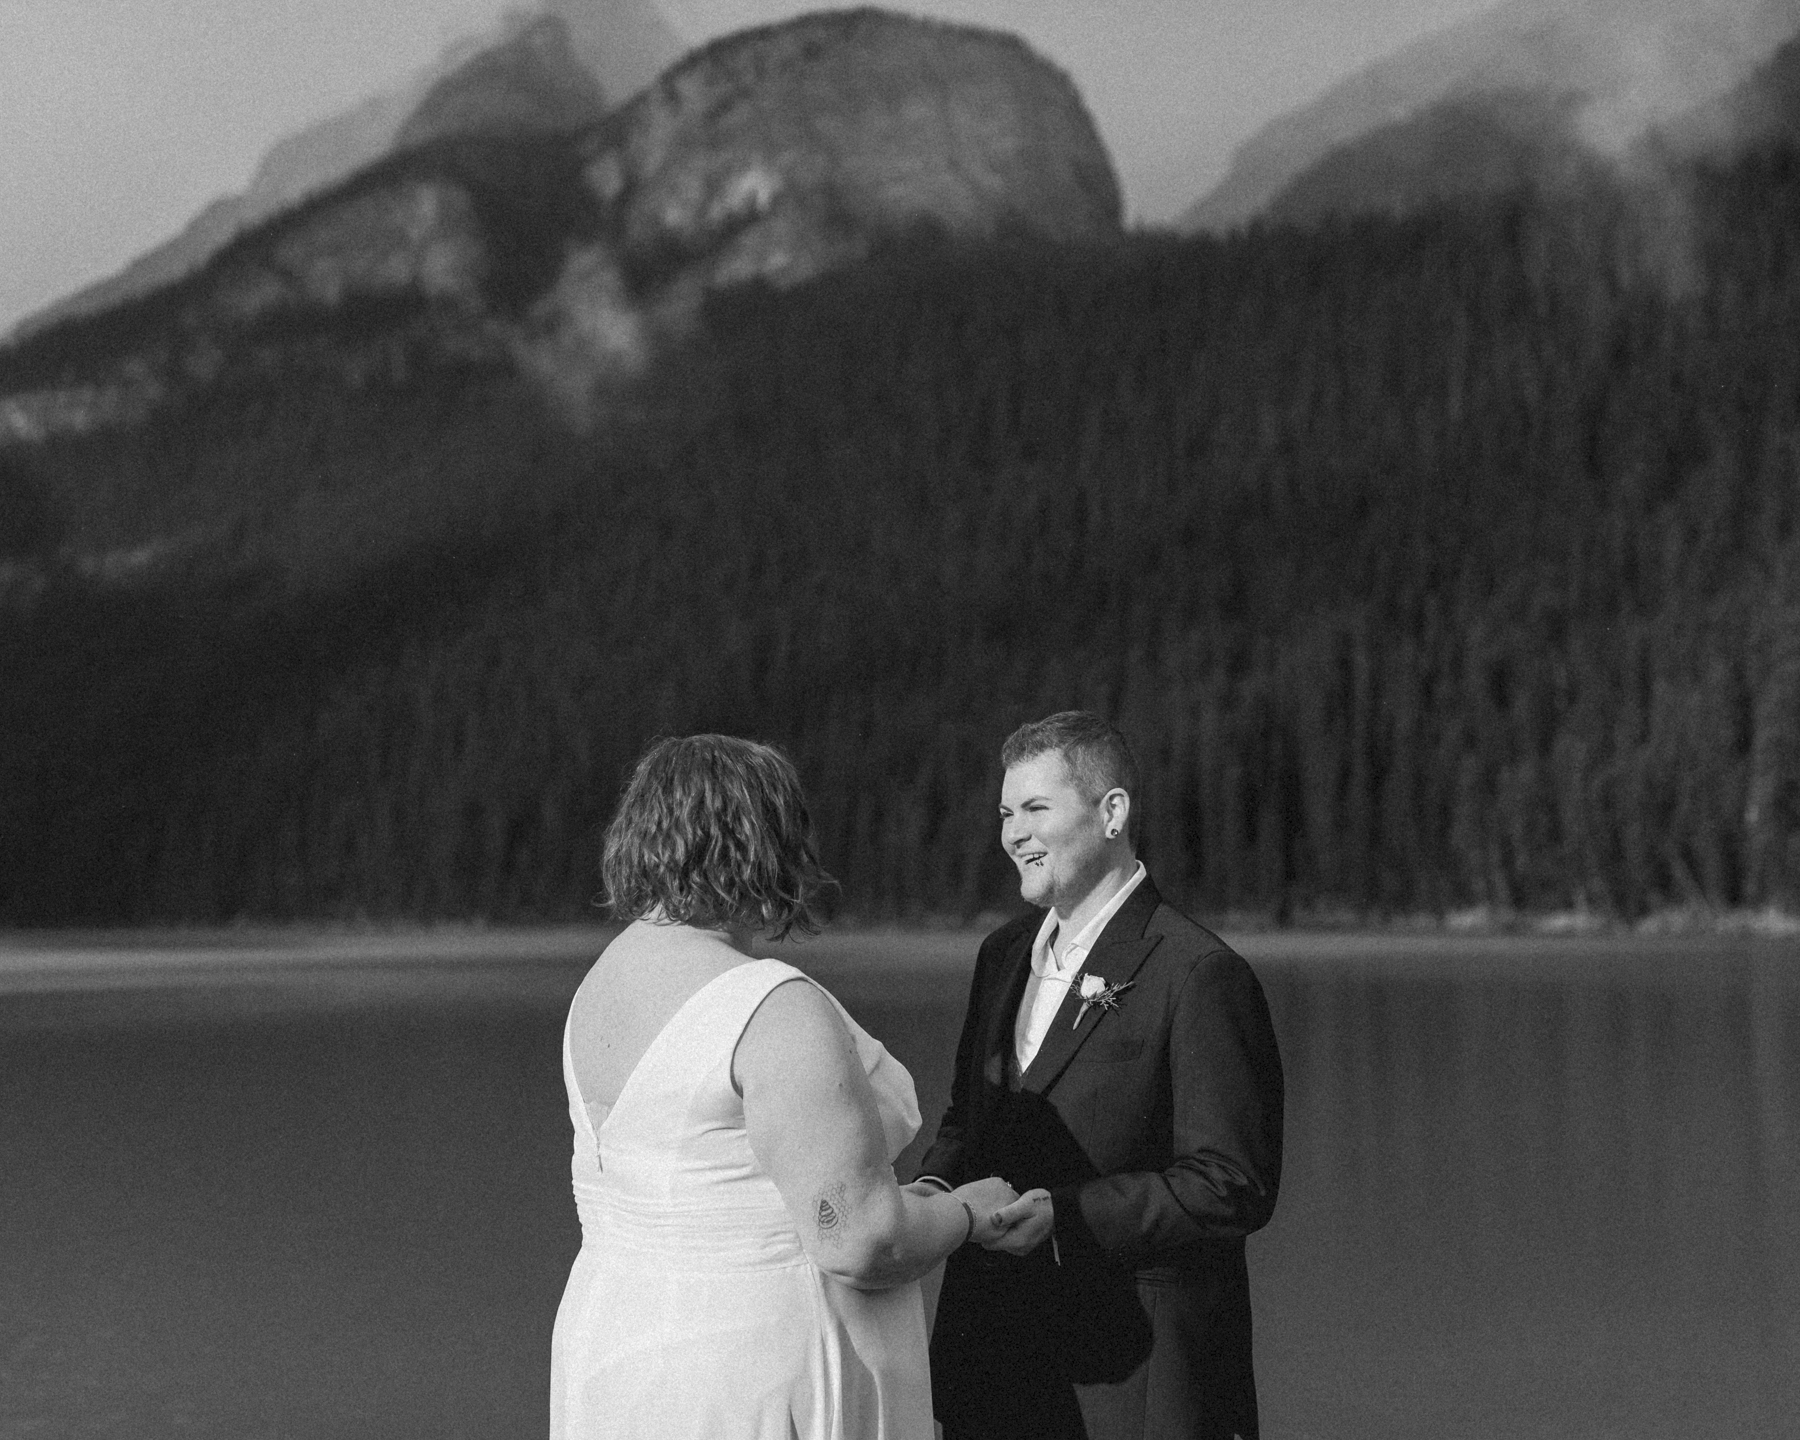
(621, 44)
(1613, 69)
(624, 44)
(1480, 143)
(1486, 143)
(530, 84)
(1761, 112)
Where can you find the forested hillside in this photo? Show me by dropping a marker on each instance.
(1429, 563)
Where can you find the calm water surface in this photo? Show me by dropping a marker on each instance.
(260, 1189)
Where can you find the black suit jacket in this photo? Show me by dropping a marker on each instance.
(1157, 1129)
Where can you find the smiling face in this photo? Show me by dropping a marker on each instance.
(1054, 834)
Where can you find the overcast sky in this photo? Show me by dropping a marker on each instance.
(120, 118)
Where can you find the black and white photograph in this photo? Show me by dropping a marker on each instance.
(972, 720)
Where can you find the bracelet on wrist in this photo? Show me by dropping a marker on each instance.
(968, 1210)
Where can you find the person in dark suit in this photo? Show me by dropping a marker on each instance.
(1117, 1066)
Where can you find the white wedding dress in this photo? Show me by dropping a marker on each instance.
(692, 1313)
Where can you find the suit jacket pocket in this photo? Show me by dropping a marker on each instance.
(1099, 1320)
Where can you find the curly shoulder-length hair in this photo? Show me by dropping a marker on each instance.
(713, 830)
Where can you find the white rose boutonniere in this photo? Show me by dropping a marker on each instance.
(1096, 992)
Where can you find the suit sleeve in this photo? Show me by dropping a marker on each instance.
(946, 1156)
(1226, 1113)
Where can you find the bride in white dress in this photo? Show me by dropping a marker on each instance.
(749, 1266)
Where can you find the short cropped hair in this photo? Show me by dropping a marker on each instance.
(713, 831)
(1098, 757)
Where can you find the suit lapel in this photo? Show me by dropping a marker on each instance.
(1117, 956)
(997, 1046)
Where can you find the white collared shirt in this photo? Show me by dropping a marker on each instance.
(1051, 978)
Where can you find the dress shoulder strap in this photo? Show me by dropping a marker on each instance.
(738, 994)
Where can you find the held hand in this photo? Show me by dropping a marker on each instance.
(1023, 1225)
(986, 1198)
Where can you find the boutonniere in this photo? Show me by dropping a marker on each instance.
(1095, 991)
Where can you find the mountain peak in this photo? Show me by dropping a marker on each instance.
(1633, 64)
(622, 44)
(528, 84)
(1468, 145)
(1764, 109)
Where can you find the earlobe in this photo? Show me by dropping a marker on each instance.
(1118, 805)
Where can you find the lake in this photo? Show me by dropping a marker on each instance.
(265, 1186)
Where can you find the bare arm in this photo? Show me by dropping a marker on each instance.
(814, 1127)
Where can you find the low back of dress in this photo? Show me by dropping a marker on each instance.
(693, 1308)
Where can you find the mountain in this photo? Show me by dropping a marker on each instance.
(1464, 147)
(294, 168)
(779, 153)
(1431, 563)
(1634, 63)
(1762, 111)
(622, 44)
(772, 155)
(529, 84)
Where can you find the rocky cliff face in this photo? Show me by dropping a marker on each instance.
(1634, 64)
(771, 155)
(619, 45)
(779, 153)
(881, 115)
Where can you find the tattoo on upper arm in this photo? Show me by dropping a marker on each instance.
(830, 1213)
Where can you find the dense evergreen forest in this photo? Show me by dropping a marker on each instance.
(1429, 563)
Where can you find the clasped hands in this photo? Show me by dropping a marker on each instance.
(1004, 1219)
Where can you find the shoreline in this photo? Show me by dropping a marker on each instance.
(354, 938)
(939, 952)
(1483, 918)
